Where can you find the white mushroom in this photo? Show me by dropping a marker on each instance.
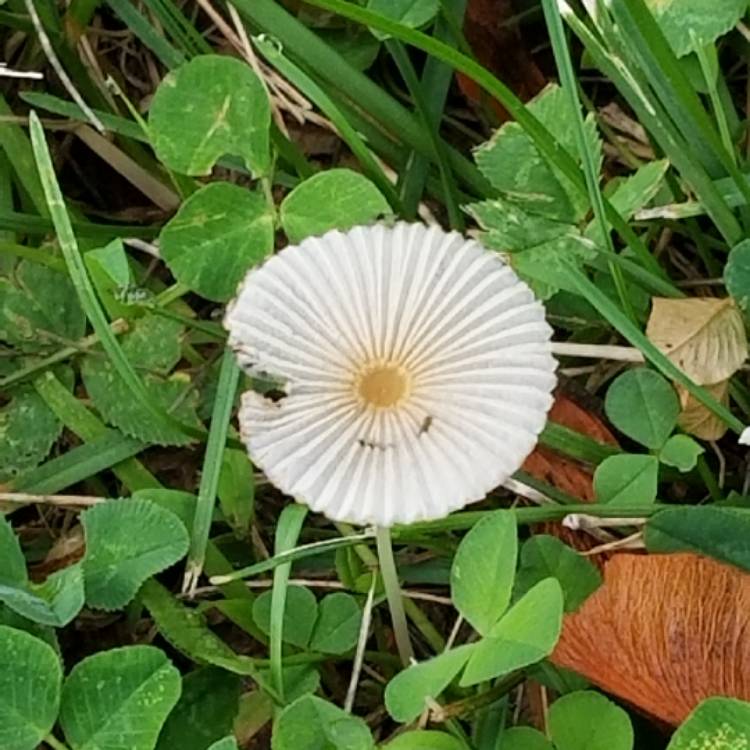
(416, 371)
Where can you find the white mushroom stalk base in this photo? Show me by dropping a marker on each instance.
(597, 351)
(393, 594)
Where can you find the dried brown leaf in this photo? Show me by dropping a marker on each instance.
(566, 474)
(663, 632)
(698, 420)
(490, 30)
(704, 337)
(67, 549)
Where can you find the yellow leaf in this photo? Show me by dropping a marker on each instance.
(704, 337)
(699, 421)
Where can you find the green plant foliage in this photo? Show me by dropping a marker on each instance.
(138, 397)
(424, 740)
(55, 602)
(556, 678)
(629, 196)
(358, 46)
(526, 633)
(12, 619)
(514, 166)
(411, 13)
(236, 489)
(110, 271)
(311, 723)
(407, 692)
(119, 699)
(204, 713)
(28, 430)
(539, 265)
(30, 680)
(643, 405)
(336, 630)
(154, 348)
(737, 275)
(545, 556)
(219, 232)
(537, 215)
(512, 228)
(681, 451)
(127, 541)
(627, 479)
(37, 305)
(298, 679)
(227, 743)
(239, 610)
(483, 570)
(715, 724)
(300, 614)
(588, 721)
(207, 108)
(12, 561)
(524, 738)
(689, 25)
(638, 189)
(334, 199)
(186, 629)
(722, 533)
(182, 504)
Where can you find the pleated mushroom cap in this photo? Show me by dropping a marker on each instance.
(416, 372)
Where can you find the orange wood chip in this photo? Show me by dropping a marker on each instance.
(663, 633)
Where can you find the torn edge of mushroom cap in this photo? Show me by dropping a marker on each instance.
(417, 370)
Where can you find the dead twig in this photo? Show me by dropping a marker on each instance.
(54, 61)
(73, 501)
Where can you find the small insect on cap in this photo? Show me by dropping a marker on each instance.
(416, 371)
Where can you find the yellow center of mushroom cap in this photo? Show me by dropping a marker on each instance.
(383, 385)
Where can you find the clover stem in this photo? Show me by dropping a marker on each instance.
(393, 594)
(53, 742)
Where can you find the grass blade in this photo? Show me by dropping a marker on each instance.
(322, 61)
(435, 84)
(287, 533)
(130, 16)
(545, 142)
(83, 285)
(644, 37)
(653, 116)
(229, 376)
(18, 151)
(406, 68)
(466, 519)
(575, 444)
(569, 84)
(297, 553)
(78, 464)
(79, 420)
(319, 97)
(646, 42)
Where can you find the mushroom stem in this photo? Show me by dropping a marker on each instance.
(597, 351)
(393, 593)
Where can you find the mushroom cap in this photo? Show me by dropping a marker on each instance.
(415, 367)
